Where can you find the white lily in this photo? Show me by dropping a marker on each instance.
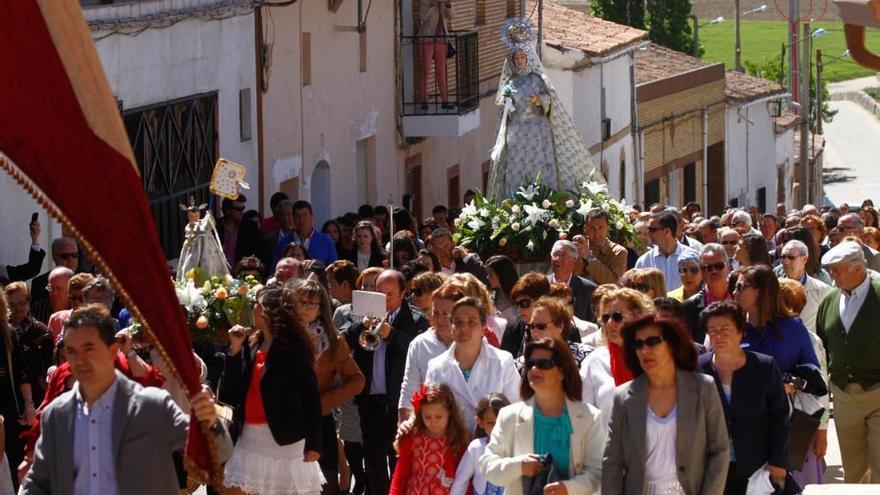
(596, 188)
(534, 214)
(585, 207)
(528, 192)
(191, 298)
(530, 246)
(484, 212)
(476, 223)
(469, 210)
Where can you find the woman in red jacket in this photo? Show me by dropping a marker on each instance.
(428, 455)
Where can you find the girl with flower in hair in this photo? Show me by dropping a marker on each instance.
(428, 455)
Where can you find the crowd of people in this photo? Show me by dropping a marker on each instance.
(704, 358)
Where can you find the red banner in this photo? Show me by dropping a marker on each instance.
(60, 126)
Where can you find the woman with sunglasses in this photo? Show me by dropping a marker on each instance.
(605, 369)
(553, 320)
(551, 421)
(690, 274)
(769, 331)
(427, 345)
(667, 433)
(471, 367)
(755, 406)
(528, 289)
(339, 378)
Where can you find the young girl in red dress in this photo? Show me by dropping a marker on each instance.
(428, 455)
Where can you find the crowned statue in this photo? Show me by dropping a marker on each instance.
(535, 137)
(201, 248)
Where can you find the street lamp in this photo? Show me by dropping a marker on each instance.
(737, 48)
(697, 26)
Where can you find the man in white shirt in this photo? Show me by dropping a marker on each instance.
(794, 260)
(664, 254)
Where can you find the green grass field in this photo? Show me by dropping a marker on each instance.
(762, 40)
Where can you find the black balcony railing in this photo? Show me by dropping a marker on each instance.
(426, 89)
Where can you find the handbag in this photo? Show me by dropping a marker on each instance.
(801, 434)
(534, 485)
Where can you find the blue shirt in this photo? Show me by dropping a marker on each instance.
(653, 258)
(319, 246)
(784, 339)
(553, 436)
(93, 460)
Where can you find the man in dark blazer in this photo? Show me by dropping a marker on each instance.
(29, 270)
(384, 370)
(563, 261)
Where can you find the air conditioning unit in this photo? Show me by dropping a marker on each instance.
(606, 129)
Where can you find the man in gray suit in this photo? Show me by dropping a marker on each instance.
(109, 435)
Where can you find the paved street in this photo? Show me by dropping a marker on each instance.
(852, 155)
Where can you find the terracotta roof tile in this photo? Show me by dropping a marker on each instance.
(741, 87)
(570, 29)
(658, 62)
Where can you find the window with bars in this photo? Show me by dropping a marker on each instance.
(175, 145)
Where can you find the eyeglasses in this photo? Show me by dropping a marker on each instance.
(539, 326)
(652, 341)
(524, 303)
(712, 267)
(309, 304)
(730, 243)
(739, 287)
(641, 287)
(541, 364)
(692, 270)
(68, 256)
(617, 316)
(791, 257)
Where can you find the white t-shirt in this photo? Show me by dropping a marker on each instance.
(363, 261)
(661, 473)
(598, 383)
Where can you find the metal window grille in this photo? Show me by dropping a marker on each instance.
(462, 75)
(175, 145)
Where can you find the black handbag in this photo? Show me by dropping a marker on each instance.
(801, 434)
(450, 50)
(534, 485)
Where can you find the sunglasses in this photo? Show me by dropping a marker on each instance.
(524, 303)
(617, 316)
(713, 267)
(652, 341)
(68, 256)
(541, 364)
(730, 243)
(739, 287)
(539, 326)
(790, 257)
(692, 270)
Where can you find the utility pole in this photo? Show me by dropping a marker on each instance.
(540, 29)
(696, 51)
(737, 49)
(793, 16)
(819, 69)
(805, 114)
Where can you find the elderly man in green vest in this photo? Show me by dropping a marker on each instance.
(847, 322)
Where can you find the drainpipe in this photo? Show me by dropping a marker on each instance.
(638, 151)
(706, 159)
(258, 93)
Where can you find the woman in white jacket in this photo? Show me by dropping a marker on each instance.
(552, 420)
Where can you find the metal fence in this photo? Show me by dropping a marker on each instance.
(458, 52)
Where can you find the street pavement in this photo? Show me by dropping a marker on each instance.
(853, 85)
(852, 155)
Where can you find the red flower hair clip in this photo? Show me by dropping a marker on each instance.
(423, 394)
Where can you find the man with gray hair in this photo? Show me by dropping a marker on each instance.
(563, 261)
(794, 261)
(852, 224)
(742, 222)
(716, 268)
(847, 323)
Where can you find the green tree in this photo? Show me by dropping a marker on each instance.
(668, 24)
(628, 12)
(775, 70)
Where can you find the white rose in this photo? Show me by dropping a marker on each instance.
(496, 220)
(502, 242)
(514, 208)
(546, 204)
(569, 203)
(515, 226)
(619, 225)
(605, 207)
(554, 223)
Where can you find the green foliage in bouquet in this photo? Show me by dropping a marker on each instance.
(526, 225)
(216, 304)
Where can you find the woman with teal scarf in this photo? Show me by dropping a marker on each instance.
(552, 419)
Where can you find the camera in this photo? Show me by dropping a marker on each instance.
(795, 381)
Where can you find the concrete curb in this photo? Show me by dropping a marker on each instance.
(860, 98)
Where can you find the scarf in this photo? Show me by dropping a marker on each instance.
(619, 371)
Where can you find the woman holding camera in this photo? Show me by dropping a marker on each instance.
(755, 405)
(552, 426)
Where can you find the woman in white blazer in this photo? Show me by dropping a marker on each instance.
(552, 420)
(471, 367)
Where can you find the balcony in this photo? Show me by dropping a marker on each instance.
(426, 113)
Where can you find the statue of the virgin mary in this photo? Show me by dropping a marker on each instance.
(535, 136)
